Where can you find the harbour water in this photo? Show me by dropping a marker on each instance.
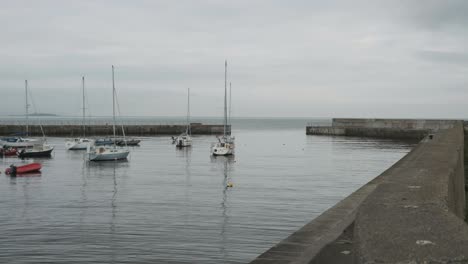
(172, 206)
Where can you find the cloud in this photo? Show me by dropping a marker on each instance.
(327, 54)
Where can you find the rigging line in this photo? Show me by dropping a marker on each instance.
(35, 110)
(87, 106)
(118, 112)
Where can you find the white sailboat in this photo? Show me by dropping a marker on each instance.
(83, 142)
(20, 142)
(225, 145)
(35, 147)
(102, 153)
(185, 139)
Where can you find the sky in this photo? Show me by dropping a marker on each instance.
(297, 58)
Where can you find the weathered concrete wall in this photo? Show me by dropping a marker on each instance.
(325, 130)
(381, 128)
(412, 213)
(105, 130)
(404, 124)
(416, 213)
(390, 133)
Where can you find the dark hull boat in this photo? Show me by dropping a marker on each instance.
(29, 168)
(32, 153)
(131, 142)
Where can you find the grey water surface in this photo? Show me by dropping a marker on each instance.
(166, 205)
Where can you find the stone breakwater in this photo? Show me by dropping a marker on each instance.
(414, 212)
(106, 129)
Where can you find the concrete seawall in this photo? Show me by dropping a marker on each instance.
(106, 129)
(380, 128)
(412, 213)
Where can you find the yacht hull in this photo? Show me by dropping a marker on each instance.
(35, 153)
(77, 144)
(108, 155)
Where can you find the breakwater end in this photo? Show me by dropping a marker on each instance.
(106, 129)
(413, 212)
(381, 128)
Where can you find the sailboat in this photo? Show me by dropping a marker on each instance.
(38, 148)
(80, 143)
(225, 145)
(102, 153)
(16, 141)
(185, 139)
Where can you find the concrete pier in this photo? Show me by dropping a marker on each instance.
(380, 128)
(106, 129)
(412, 213)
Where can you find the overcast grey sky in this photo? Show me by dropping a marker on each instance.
(302, 58)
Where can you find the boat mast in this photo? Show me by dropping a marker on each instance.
(84, 124)
(27, 106)
(225, 99)
(189, 132)
(113, 103)
(230, 105)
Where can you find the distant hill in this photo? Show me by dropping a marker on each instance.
(38, 114)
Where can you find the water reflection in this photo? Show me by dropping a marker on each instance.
(226, 164)
(169, 205)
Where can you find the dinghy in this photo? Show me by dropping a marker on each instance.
(8, 152)
(29, 168)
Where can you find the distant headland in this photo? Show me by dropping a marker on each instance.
(37, 114)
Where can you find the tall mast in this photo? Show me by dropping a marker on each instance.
(27, 107)
(225, 95)
(113, 103)
(84, 124)
(188, 112)
(230, 105)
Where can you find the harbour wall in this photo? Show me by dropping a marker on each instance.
(381, 128)
(412, 213)
(106, 130)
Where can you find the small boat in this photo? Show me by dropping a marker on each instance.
(109, 153)
(185, 140)
(129, 142)
(37, 151)
(80, 143)
(103, 142)
(18, 142)
(225, 145)
(39, 148)
(29, 168)
(8, 151)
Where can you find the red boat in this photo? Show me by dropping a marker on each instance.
(32, 167)
(8, 151)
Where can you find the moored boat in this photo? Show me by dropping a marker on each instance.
(127, 142)
(225, 145)
(18, 142)
(185, 139)
(109, 153)
(37, 151)
(80, 143)
(103, 142)
(8, 151)
(28, 168)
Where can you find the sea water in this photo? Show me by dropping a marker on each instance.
(168, 205)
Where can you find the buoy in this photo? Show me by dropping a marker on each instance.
(230, 185)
